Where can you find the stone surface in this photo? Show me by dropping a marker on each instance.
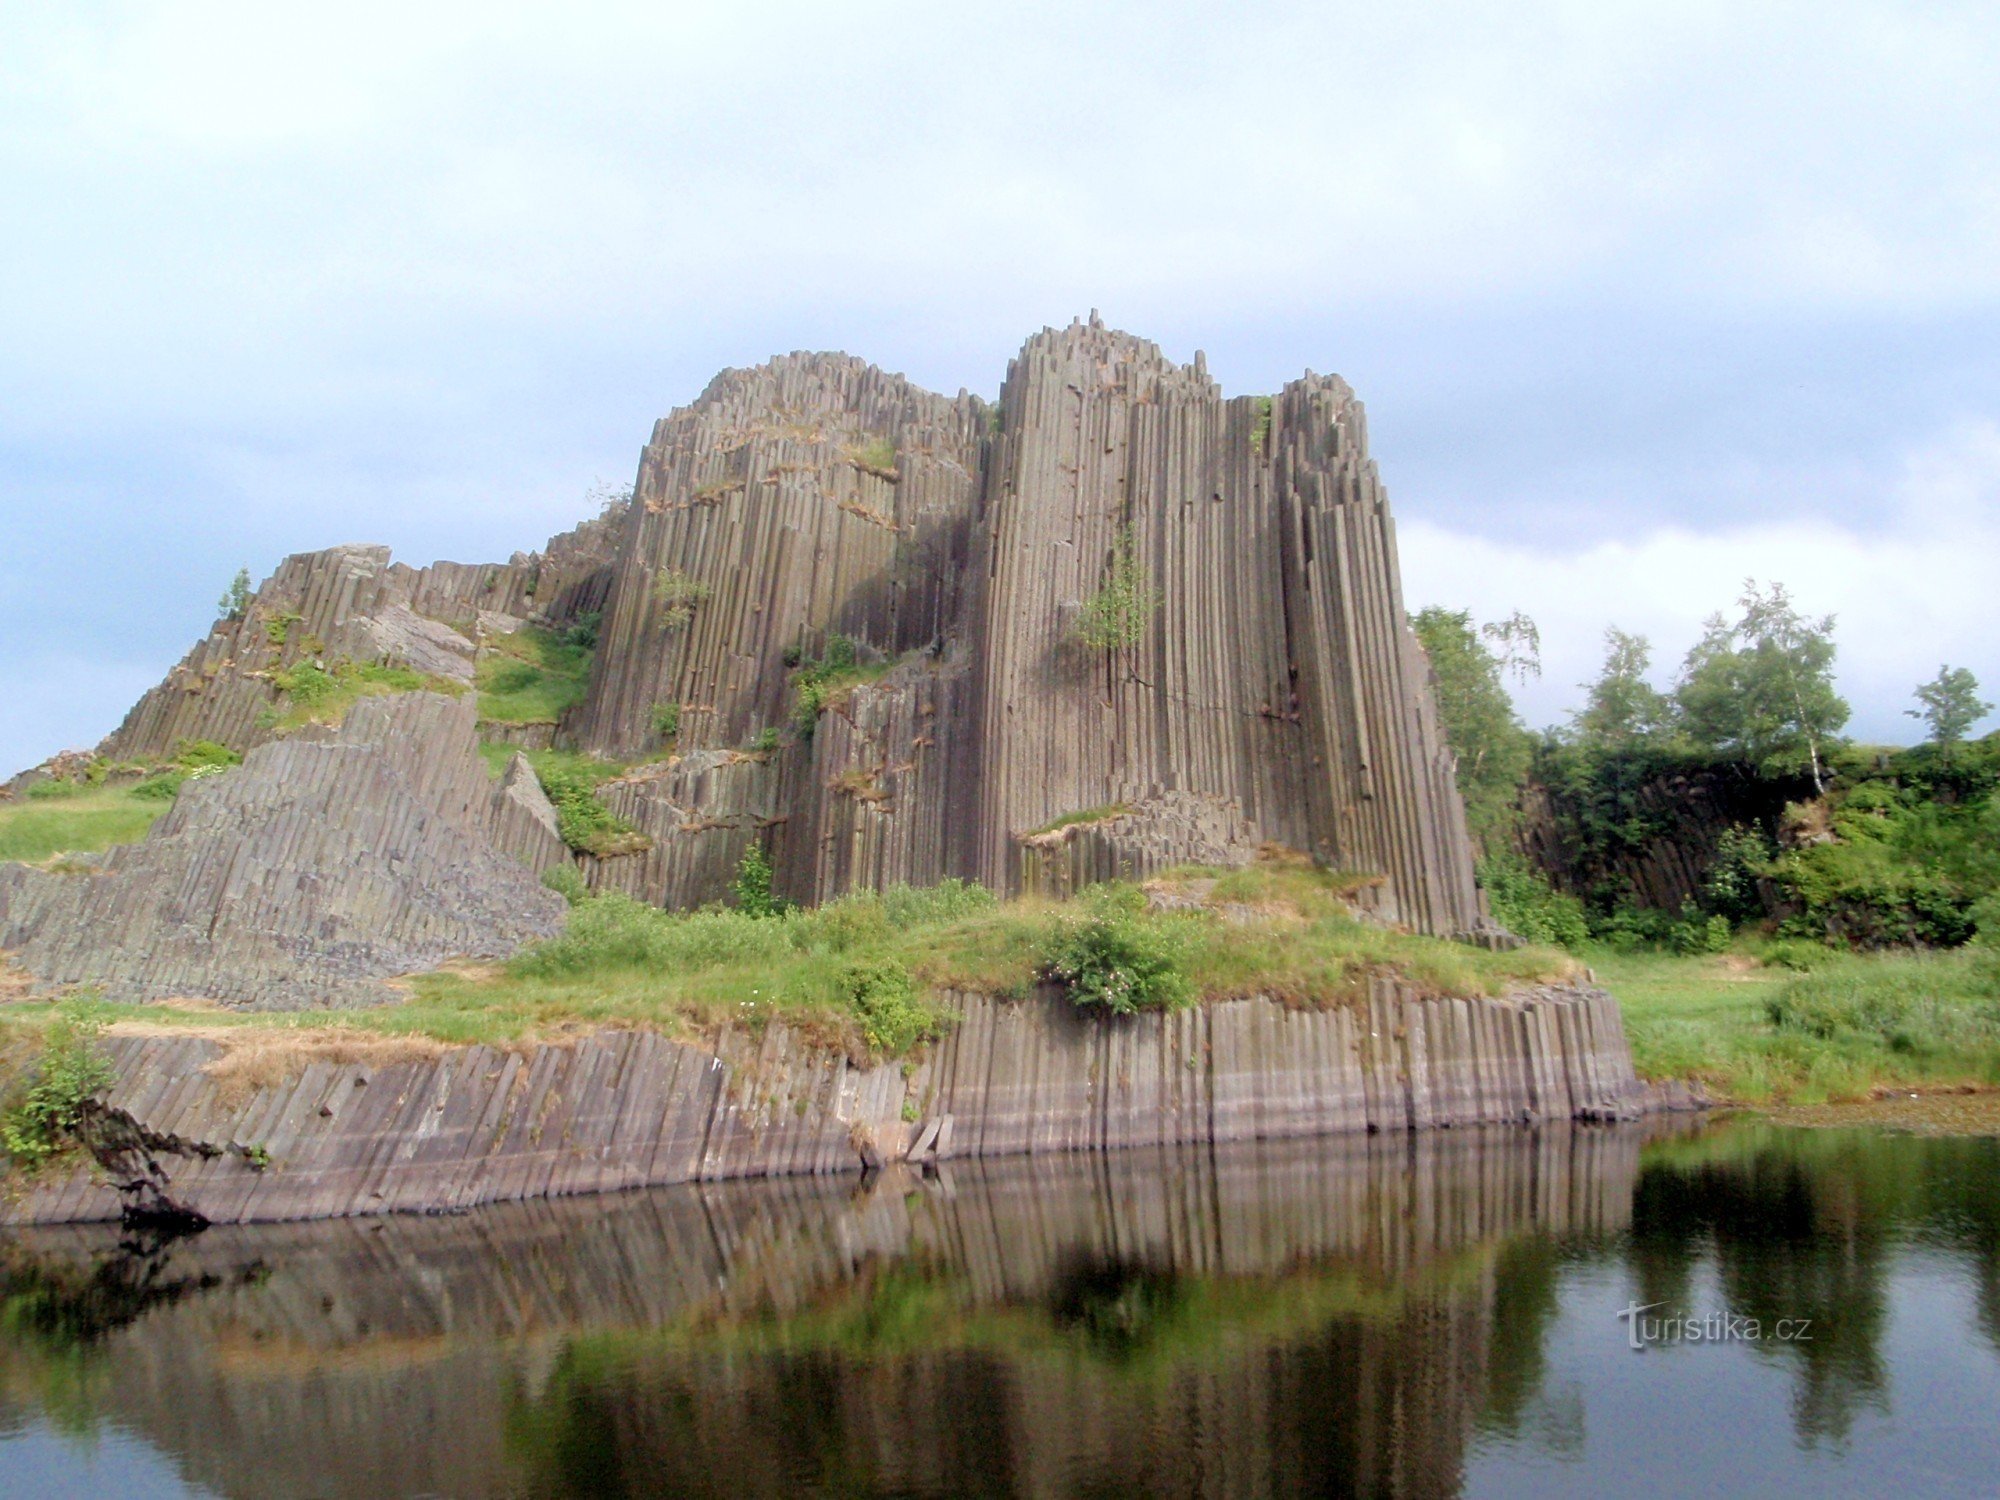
(615, 1110)
(354, 603)
(325, 863)
(1273, 694)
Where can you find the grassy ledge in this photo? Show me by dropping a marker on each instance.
(533, 675)
(864, 972)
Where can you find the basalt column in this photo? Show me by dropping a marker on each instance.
(811, 495)
(1258, 669)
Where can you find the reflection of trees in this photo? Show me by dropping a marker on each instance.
(1802, 1225)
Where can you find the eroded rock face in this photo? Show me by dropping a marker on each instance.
(1260, 684)
(326, 863)
(1264, 683)
(354, 604)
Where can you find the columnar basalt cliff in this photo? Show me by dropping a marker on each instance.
(1260, 686)
(325, 863)
(1249, 677)
(1112, 624)
(344, 1135)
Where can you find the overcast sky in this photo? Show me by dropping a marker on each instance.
(1643, 299)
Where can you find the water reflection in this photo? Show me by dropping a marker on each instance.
(1367, 1316)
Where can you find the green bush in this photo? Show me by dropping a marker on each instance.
(1112, 955)
(1114, 618)
(678, 594)
(667, 720)
(1528, 906)
(764, 741)
(894, 1017)
(586, 824)
(567, 882)
(817, 684)
(752, 886)
(71, 1069)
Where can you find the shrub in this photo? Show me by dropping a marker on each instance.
(667, 720)
(160, 788)
(678, 594)
(586, 824)
(71, 1069)
(1115, 616)
(1697, 933)
(764, 741)
(817, 684)
(567, 882)
(1528, 906)
(1114, 956)
(582, 634)
(752, 886)
(893, 1017)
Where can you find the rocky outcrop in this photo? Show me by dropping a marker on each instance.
(1649, 844)
(457, 1127)
(326, 863)
(1258, 682)
(353, 604)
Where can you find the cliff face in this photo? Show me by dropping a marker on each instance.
(327, 862)
(1113, 624)
(1257, 681)
(475, 1125)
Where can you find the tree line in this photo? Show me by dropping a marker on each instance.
(1755, 695)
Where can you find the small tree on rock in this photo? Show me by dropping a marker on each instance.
(1949, 705)
(235, 601)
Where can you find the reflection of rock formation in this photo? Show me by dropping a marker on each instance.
(1299, 1318)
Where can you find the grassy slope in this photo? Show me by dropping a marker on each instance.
(531, 677)
(36, 828)
(1855, 1023)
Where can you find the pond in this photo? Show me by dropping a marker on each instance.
(1726, 1309)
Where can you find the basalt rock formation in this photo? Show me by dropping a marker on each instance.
(1258, 682)
(326, 862)
(1114, 623)
(345, 1133)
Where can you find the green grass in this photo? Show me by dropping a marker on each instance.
(85, 821)
(831, 969)
(531, 676)
(323, 695)
(1759, 1033)
(1082, 815)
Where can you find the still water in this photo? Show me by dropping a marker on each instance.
(1377, 1316)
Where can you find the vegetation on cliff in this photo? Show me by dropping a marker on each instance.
(534, 676)
(1286, 932)
(1822, 892)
